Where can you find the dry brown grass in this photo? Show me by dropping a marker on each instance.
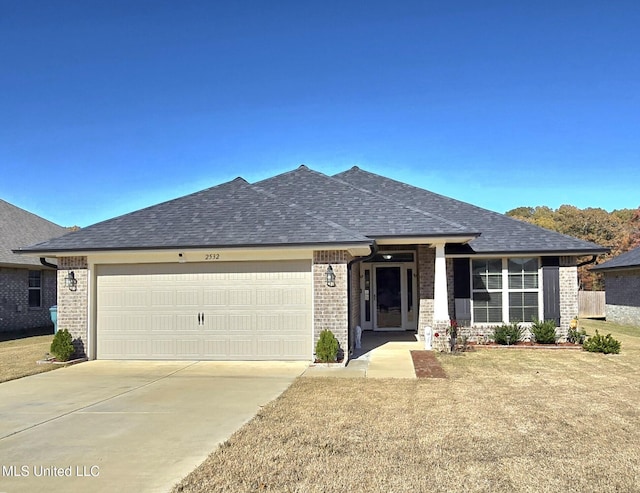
(505, 421)
(18, 357)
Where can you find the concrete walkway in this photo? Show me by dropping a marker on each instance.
(383, 355)
(140, 426)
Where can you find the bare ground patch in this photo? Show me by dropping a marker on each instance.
(505, 421)
(18, 357)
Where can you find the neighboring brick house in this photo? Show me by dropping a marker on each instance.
(27, 287)
(622, 287)
(246, 271)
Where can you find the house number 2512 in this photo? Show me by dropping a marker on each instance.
(212, 256)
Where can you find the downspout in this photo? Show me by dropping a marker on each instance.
(374, 252)
(587, 262)
(44, 262)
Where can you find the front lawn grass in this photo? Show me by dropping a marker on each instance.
(504, 421)
(18, 357)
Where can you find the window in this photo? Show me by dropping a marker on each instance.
(523, 289)
(35, 289)
(487, 290)
(505, 290)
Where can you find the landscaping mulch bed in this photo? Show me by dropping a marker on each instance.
(426, 365)
(527, 345)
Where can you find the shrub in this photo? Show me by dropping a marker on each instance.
(602, 344)
(62, 345)
(544, 332)
(507, 333)
(327, 347)
(576, 336)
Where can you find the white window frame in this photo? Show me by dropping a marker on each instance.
(37, 288)
(506, 290)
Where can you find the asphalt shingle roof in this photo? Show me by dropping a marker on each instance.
(370, 213)
(304, 207)
(500, 233)
(231, 214)
(18, 228)
(622, 261)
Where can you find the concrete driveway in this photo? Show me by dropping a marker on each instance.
(126, 426)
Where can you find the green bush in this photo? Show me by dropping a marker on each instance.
(544, 331)
(602, 344)
(576, 336)
(62, 345)
(507, 333)
(327, 347)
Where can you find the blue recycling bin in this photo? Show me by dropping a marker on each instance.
(53, 311)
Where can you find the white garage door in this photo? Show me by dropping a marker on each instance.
(217, 311)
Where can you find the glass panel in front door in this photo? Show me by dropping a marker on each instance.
(388, 297)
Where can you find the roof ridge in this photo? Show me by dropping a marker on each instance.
(403, 204)
(333, 224)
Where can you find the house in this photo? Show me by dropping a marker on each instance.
(27, 287)
(622, 287)
(247, 271)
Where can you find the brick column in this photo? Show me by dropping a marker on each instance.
(73, 305)
(330, 306)
(568, 274)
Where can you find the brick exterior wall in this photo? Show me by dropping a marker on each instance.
(568, 294)
(73, 305)
(15, 313)
(330, 310)
(623, 296)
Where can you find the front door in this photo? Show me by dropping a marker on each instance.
(388, 297)
(389, 291)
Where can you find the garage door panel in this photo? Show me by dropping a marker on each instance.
(217, 348)
(163, 298)
(215, 297)
(268, 297)
(252, 310)
(162, 348)
(188, 297)
(241, 348)
(189, 349)
(240, 323)
(240, 298)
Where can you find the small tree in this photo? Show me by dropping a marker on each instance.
(602, 344)
(327, 347)
(62, 345)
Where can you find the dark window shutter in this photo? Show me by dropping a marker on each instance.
(551, 293)
(461, 278)
(462, 289)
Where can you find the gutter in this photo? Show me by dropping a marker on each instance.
(44, 262)
(374, 252)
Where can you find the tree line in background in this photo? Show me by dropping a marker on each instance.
(618, 230)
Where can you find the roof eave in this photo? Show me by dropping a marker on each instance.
(461, 238)
(604, 268)
(538, 253)
(66, 252)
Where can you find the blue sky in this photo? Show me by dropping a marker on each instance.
(108, 107)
